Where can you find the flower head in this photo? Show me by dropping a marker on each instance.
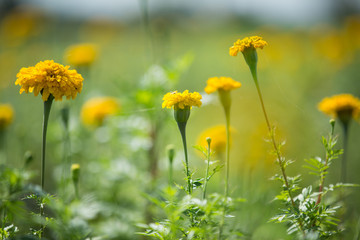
(248, 42)
(75, 166)
(97, 109)
(81, 54)
(181, 100)
(343, 106)
(47, 78)
(218, 138)
(221, 83)
(6, 115)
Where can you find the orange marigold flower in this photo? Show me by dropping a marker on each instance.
(181, 100)
(47, 78)
(81, 54)
(248, 42)
(6, 115)
(343, 106)
(221, 83)
(95, 110)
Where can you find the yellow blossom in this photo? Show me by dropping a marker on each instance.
(6, 115)
(218, 138)
(75, 166)
(97, 109)
(248, 42)
(81, 54)
(221, 83)
(342, 105)
(18, 26)
(181, 100)
(47, 78)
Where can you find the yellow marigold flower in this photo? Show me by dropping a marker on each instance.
(95, 110)
(218, 138)
(18, 25)
(181, 100)
(47, 78)
(81, 54)
(343, 106)
(248, 42)
(6, 115)
(221, 83)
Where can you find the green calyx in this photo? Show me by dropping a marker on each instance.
(182, 115)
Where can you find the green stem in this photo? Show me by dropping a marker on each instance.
(276, 148)
(76, 187)
(182, 128)
(323, 173)
(145, 15)
(4, 221)
(207, 170)
(343, 177)
(227, 117)
(2, 147)
(47, 107)
(170, 174)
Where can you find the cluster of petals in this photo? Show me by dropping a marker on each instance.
(340, 103)
(6, 115)
(47, 78)
(221, 83)
(181, 100)
(249, 42)
(81, 54)
(95, 110)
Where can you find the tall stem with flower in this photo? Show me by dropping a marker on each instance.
(247, 47)
(182, 104)
(224, 85)
(53, 81)
(344, 107)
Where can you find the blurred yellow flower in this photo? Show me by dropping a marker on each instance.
(6, 115)
(343, 106)
(248, 42)
(81, 54)
(75, 166)
(221, 83)
(352, 33)
(218, 138)
(18, 25)
(47, 78)
(95, 110)
(331, 46)
(181, 100)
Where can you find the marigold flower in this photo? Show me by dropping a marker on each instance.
(248, 42)
(81, 54)
(95, 110)
(18, 26)
(343, 106)
(47, 78)
(221, 83)
(218, 138)
(181, 100)
(6, 115)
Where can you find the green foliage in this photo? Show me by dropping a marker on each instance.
(188, 217)
(308, 214)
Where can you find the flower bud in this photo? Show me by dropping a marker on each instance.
(170, 149)
(75, 172)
